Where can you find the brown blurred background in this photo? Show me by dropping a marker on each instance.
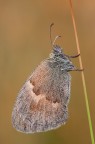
(24, 42)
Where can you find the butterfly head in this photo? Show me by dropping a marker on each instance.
(60, 59)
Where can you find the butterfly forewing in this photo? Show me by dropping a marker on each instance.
(42, 102)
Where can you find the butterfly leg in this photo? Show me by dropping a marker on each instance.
(78, 69)
(75, 56)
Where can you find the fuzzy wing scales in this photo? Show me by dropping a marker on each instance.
(42, 102)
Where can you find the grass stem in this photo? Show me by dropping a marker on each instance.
(82, 74)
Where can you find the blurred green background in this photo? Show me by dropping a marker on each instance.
(24, 42)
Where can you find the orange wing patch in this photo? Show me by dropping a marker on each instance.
(39, 101)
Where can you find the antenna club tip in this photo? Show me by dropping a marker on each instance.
(58, 36)
(51, 24)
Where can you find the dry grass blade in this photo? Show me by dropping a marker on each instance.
(82, 74)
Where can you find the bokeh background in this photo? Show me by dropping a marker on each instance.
(24, 42)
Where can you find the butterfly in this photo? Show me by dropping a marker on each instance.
(42, 102)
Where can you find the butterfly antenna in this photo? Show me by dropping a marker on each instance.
(55, 39)
(52, 43)
(50, 33)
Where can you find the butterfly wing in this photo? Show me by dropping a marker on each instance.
(42, 102)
